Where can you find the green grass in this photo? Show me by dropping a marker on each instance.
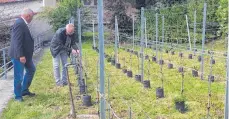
(90, 34)
(196, 91)
(52, 102)
(1, 70)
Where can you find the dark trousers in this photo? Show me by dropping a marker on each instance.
(22, 81)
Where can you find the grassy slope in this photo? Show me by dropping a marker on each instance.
(52, 102)
(196, 91)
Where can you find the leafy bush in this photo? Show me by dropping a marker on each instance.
(59, 16)
(222, 16)
(118, 8)
(175, 20)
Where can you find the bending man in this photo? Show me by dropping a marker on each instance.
(62, 45)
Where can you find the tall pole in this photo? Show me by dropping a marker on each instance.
(133, 32)
(108, 85)
(177, 33)
(146, 42)
(93, 23)
(117, 35)
(163, 32)
(195, 32)
(142, 43)
(226, 115)
(203, 40)
(101, 57)
(189, 39)
(130, 113)
(116, 40)
(80, 46)
(156, 35)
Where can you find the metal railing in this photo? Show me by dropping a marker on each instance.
(4, 68)
(6, 64)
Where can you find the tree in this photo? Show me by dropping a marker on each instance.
(60, 15)
(118, 8)
(222, 16)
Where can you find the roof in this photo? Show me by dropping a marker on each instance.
(9, 1)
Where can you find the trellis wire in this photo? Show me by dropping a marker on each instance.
(194, 49)
(128, 94)
(103, 96)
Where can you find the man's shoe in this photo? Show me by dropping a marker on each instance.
(60, 84)
(29, 94)
(65, 83)
(19, 100)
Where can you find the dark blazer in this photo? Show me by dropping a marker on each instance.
(59, 40)
(22, 43)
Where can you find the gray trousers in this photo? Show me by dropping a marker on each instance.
(63, 57)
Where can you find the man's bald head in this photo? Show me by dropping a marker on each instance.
(70, 29)
(27, 14)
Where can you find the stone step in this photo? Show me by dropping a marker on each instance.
(85, 116)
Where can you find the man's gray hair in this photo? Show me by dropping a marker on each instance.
(27, 11)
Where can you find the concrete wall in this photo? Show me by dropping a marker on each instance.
(49, 3)
(9, 12)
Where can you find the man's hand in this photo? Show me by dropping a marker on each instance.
(75, 51)
(22, 60)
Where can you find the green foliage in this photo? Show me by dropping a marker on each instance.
(179, 99)
(117, 7)
(60, 15)
(89, 35)
(175, 20)
(1, 70)
(52, 102)
(222, 16)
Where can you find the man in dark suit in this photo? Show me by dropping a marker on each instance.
(21, 53)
